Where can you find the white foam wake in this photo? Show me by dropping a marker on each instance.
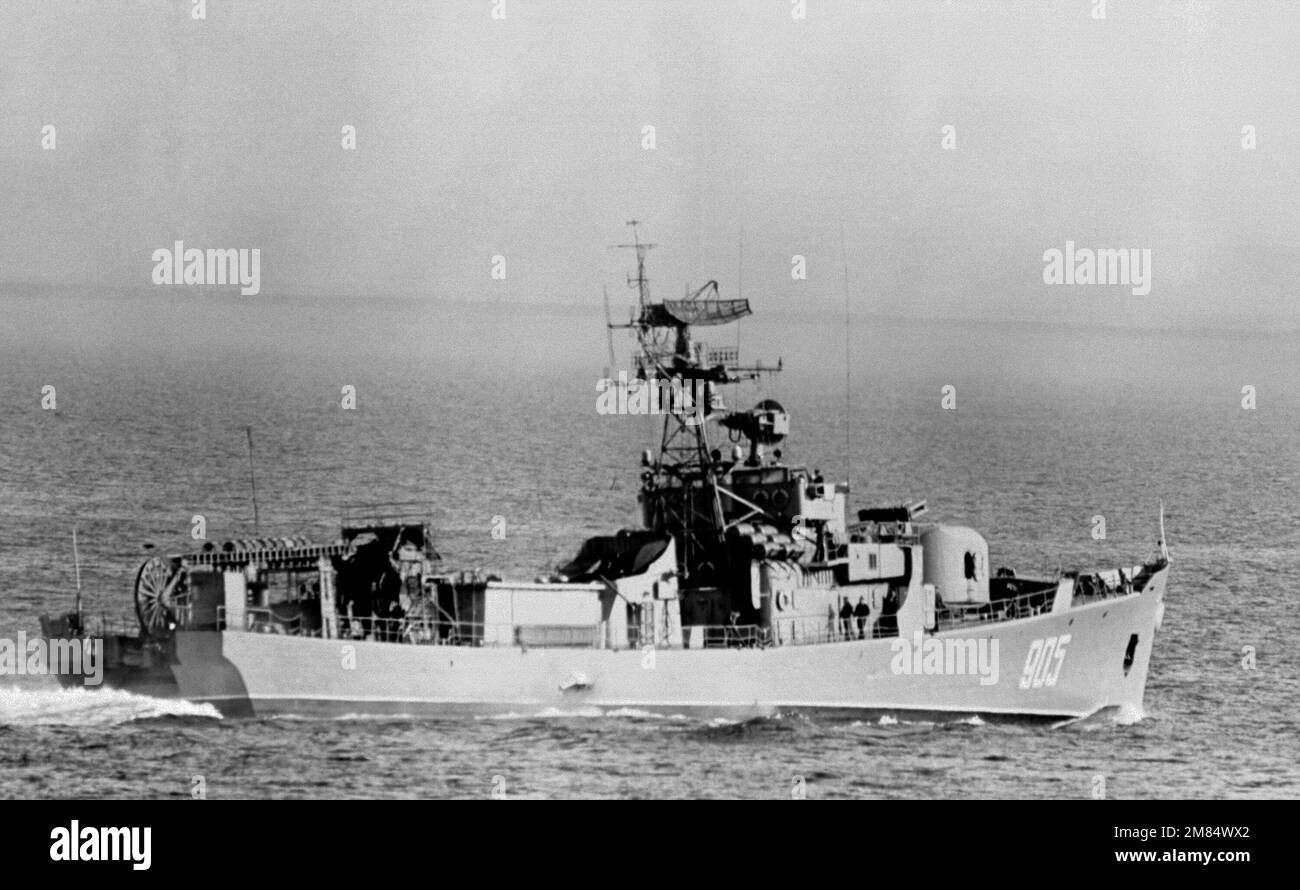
(89, 707)
(1127, 715)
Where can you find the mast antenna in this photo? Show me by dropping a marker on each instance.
(740, 279)
(609, 335)
(76, 562)
(252, 478)
(640, 282)
(1164, 545)
(848, 373)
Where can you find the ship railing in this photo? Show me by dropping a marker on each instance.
(417, 631)
(1083, 598)
(432, 632)
(1025, 605)
(814, 631)
(789, 632)
(446, 632)
(721, 636)
(898, 532)
(429, 631)
(258, 619)
(425, 631)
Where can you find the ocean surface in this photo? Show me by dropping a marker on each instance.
(482, 410)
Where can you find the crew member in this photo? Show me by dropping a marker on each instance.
(862, 612)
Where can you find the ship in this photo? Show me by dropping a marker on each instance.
(749, 589)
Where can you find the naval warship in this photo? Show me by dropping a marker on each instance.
(749, 589)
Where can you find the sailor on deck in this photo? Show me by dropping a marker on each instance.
(862, 612)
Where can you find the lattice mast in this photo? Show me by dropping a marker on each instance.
(682, 487)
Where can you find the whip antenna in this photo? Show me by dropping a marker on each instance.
(252, 478)
(848, 368)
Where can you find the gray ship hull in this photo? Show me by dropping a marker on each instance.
(1059, 665)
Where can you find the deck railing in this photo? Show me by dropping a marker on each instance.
(429, 632)
(1025, 605)
(815, 631)
(418, 631)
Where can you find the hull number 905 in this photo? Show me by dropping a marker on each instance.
(1043, 664)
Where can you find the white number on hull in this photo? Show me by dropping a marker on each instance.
(1039, 669)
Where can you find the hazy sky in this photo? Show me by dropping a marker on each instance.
(523, 137)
